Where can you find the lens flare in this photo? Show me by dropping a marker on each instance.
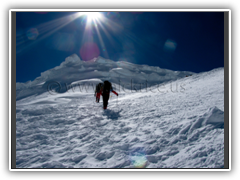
(62, 42)
(113, 15)
(32, 33)
(89, 50)
(136, 12)
(41, 12)
(138, 159)
(42, 31)
(170, 45)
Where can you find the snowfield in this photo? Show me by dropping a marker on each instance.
(177, 123)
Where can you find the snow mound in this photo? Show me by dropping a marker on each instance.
(71, 60)
(214, 117)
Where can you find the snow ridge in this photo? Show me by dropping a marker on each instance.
(74, 69)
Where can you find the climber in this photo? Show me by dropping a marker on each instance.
(107, 88)
(98, 91)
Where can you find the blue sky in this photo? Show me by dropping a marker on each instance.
(184, 41)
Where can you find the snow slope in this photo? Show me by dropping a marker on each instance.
(175, 124)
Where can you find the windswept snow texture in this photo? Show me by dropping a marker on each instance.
(177, 124)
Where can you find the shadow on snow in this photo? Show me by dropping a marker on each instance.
(114, 115)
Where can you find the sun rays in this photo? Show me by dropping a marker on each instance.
(33, 35)
(94, 32)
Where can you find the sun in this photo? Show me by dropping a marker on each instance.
(93, 23)
(92, 16)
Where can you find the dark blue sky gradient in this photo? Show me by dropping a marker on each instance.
(184, 41)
